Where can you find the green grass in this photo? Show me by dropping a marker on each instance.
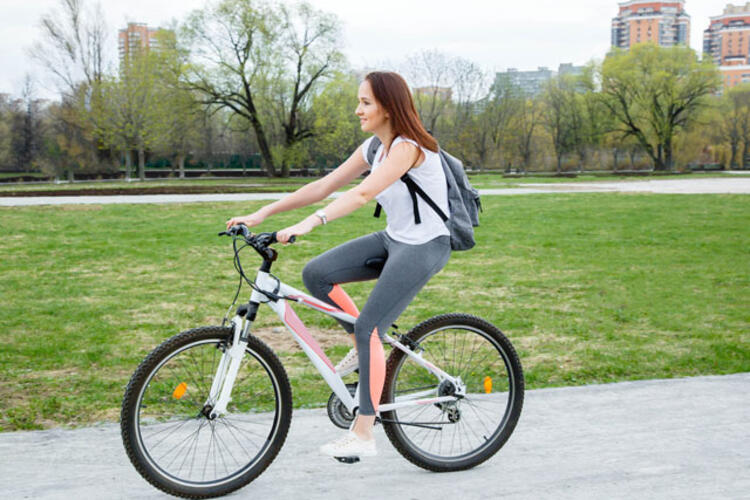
(590, 288)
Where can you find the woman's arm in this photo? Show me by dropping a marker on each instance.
(400, 159)
(310, 193)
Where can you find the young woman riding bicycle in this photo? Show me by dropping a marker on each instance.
(413, 252)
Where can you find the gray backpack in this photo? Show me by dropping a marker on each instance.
(463, 200)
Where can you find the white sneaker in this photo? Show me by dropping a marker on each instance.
(348, 364)
(350, 445)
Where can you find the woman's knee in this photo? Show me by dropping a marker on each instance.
(312, 275)
(363, 330)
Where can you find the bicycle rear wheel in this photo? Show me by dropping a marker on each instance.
(166, 426)
(459, 434)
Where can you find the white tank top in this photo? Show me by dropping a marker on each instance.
(397, 202)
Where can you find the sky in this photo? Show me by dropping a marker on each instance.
(488, 32)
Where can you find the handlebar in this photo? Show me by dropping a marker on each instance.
(259, 241)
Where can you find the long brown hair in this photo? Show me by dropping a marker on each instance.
(392, 92)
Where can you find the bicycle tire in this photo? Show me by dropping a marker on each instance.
(489, 339)
(149, 373)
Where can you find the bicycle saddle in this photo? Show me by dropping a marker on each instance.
(375, 263)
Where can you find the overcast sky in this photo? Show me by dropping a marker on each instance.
(530, 34)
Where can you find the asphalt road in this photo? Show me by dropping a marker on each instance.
(681, 438)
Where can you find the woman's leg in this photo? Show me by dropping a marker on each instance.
(407, 269)
(343, 264)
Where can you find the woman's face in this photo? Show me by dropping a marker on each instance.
(371, 115)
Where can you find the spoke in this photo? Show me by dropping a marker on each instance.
(463, 347)
(480, 419)
(231, 433)
(244, 430)
(471, 429)
(208, 454)
(195, 433)
(191, 435)
(174, 429)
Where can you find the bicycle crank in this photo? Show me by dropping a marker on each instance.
(337, 411)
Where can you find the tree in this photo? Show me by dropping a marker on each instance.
(496, 112)
(430, 73)
(652, 92)
(126, 110)
(338, 126)
(5, 135)
(523, 126)
(562, 117)
(73, 44)
(25, 129)
(263, 62)
(72, 49)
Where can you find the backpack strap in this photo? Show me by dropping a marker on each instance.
(373, 149)
(415, 190)
(412, 186)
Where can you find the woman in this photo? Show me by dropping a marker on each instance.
(413, 252)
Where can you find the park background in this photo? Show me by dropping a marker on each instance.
(591, 288)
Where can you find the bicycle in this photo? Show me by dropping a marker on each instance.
(208, 410)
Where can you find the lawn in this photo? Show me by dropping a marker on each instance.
(590, 288)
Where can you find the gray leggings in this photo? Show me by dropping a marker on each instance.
(407, 269)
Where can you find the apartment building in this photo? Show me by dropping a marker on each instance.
(532, 82)
(727, 42)
(137, 37)
(640, 21)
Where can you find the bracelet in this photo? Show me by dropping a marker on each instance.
(322, 216)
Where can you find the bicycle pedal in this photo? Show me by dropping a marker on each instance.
(347, 460)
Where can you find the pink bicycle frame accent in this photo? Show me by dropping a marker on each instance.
(315, 353)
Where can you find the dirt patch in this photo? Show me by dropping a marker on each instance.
(281, 340)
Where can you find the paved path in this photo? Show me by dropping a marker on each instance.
(679, 438)
(731, 185)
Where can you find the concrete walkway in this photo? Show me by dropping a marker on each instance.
(731, 185)
(679, 438)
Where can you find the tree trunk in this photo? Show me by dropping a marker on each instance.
(70, 174)
(659, 160)
(745, 154)
(559, 163)
(181, 165)
(614, 159)
(668, 160)
(733, 160)
(128, 164)
(141, 163)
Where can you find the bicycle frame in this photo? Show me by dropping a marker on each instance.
(229, 365)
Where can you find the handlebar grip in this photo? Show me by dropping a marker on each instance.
(292, 239)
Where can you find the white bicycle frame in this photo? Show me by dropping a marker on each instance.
(221, 388)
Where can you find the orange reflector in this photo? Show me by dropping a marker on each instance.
(179, 391)
(487, 385)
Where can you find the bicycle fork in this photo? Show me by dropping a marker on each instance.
(226, 373)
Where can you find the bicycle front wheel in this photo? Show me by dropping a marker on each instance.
(460, 434)
(166, 426)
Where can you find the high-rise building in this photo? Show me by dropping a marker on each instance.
(532, 82)
(137, 37)
(727, 42)
(639, 21)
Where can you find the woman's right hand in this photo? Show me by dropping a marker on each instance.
(248, 220)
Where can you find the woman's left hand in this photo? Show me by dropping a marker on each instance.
(299, 229)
